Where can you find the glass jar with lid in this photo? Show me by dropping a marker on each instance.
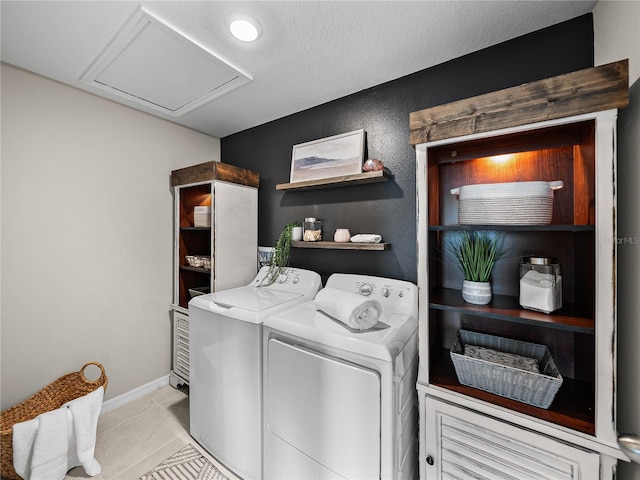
(312, 230)
(540, 284)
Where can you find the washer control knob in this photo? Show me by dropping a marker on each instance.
(365, 289)
(385, 291)
(282, 278)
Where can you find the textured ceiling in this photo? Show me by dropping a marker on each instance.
(310, 52)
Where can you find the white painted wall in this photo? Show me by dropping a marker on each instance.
(616, 25)
(87, 215)
(617, 36)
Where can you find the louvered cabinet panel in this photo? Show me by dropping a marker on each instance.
(182, 345)
(180, 368)
(462, 444)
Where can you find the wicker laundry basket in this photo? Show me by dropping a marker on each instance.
(53, 396)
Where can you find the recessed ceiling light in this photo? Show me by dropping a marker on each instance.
(244, 28)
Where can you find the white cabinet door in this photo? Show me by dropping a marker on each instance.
(235, 236)
(461, 444)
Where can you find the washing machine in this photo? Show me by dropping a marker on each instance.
(225, 365)
(341, 403)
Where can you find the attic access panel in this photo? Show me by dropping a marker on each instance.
(150, 63)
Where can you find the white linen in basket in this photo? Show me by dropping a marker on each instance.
(48, 446)
(502, 358)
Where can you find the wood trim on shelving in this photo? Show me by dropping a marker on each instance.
(584, 91)
(342, 246)
(196, 269)
(570, 317)
(195, 229)
(514, 228)
(341, 181)
(209, 171)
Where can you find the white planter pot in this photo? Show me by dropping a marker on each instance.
(478, 293)
(296, 234)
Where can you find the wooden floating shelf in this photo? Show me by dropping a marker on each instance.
(342, 246)
(342, 181)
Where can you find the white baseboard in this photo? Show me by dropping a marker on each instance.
(134, 394)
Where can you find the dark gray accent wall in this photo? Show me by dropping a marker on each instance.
(388, 208)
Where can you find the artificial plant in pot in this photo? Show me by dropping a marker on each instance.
(280, 256)
(476, 253)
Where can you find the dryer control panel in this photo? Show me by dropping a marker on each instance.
(395, 296)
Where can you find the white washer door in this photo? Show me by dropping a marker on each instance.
(326, 408)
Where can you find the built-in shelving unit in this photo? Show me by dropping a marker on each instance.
(571, 139)
(570, 237)
(225, 189)
(342, 246)
(341, 181)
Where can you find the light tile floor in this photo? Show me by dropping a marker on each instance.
(136, 437)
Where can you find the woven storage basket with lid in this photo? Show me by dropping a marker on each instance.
(64, 389)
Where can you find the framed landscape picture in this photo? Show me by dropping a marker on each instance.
(328, 157)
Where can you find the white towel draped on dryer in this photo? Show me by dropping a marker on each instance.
(355, 311)
(48, 446)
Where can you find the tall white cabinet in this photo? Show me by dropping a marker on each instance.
(562, 128)
(215, 242)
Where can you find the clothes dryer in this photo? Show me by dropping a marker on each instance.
(225, 359)
(341, 403)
